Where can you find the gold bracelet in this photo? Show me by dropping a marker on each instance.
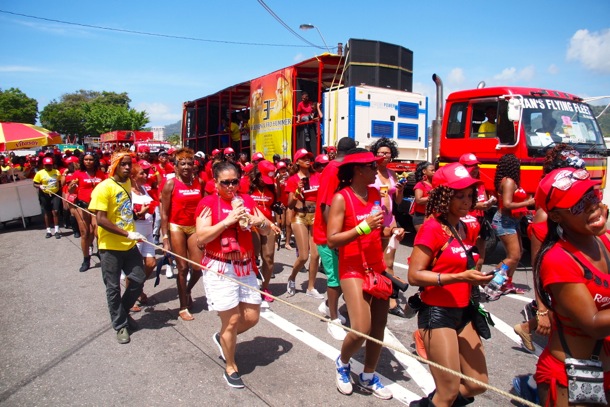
(542, 314)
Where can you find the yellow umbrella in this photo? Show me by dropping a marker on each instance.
(15, 136)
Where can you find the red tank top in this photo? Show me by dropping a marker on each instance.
(86, 183)
(366, 247)
(184, 202)
(263, 201)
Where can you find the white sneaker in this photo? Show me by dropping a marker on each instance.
(264, 305)
(169, 272)
(122, 276)
(335, 331)
(314, 293)
(323, 309)
(342, 378)
(374, 386)
(291, 288)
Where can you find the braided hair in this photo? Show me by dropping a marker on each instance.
(440, 198)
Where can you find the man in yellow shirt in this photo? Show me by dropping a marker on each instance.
(47, 181)
(111, 202)
(488, 128)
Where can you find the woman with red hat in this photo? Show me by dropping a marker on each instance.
(443, 263)
(67, 175)
(356, 232)
(84, 182)
(303, 190)
(263, 193)
(283, 219)
(572, 277)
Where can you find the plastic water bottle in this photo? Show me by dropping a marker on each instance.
(493, 289)
(376, 208)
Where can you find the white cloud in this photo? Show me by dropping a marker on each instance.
(456, 77)
(513, 74)
(553, 69)
(19, 68)
(591, 49)
(298, 57)
(160, 112)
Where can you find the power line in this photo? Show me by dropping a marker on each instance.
(178, 37)
(279, 20)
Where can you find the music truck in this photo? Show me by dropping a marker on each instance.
(529, 121)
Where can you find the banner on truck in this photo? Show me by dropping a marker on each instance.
(271, 114)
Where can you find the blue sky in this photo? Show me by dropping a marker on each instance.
(563, 45)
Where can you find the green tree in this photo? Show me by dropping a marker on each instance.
(88, 112)
(16, 106)
(603, 120)
(174, 139)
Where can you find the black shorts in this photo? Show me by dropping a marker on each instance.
(48, 202)
(418, 218)
(431, 317)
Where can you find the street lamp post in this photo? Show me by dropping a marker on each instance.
(309, 27)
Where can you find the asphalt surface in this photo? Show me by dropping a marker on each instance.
(58, 348)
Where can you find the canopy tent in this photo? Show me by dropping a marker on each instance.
(15, 136)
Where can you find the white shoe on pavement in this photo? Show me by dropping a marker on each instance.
(374, 386)
(291, 288)
(169, 272)
(335, 331)
(323, 309)
(314, 293)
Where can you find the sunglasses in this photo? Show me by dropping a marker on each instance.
(229, 182)
(589, 198)
(382, 154)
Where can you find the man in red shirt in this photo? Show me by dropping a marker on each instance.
(328, 185)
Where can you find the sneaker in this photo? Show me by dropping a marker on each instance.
(169, 272)
(85, 266)
(291, 288)
(524, 390)
(48, 235)
(315, 294)
(344, 382)
(216, 339)
(526, 338)
(266, 297)
(397, 310)
(511, 289)
(323, 309)
(122, 335)
(265, 305)
(336, 332)
(234, 380)
(57, 235)
(123, 276)
(374, 386)
(76, 235)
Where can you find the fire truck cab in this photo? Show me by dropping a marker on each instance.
(526, 122)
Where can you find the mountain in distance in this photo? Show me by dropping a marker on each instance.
(174, 128)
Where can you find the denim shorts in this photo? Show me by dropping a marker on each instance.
(504, 224)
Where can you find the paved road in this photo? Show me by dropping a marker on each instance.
(58, 347)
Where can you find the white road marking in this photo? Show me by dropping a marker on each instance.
(402, 266)
(400, 393)
(507, 330)
(519, 297)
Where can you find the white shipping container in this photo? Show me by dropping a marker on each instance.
(367, 113)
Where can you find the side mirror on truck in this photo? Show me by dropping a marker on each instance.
(515, 104)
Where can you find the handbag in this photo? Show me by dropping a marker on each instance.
(71, 198)
(374, 283)
(585, 376)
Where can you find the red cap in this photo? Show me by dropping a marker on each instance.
(258, 157)
(366, 157)
(322, 159)
(280, 165)
(47, 161)
(171, 151)
(577, 181)
(143, 148)
(469, 159)
(215, 152)
(228, 150)
(454, 176)
(71, 159)
(267, 170)
(302, 153)
(248, 168)
(145, 165)
(331, 148)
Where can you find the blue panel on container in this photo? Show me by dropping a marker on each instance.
(407, 131)
(382, 129)
(351, 114)
(408, 110)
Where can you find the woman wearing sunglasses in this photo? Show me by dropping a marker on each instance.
(571, 276)
(302, 190)
(356, 232)
(179, 199)
(229, 251)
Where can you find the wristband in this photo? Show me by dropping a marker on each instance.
(358, 230)
(366, 229)
(542, 314)
(440, 284)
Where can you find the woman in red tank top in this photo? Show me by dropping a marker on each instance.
(349, 212)
(572, 278)
(179, 199)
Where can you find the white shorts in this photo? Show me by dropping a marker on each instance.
(224, 294)
(147, 250)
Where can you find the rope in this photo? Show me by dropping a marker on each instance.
(317, 316)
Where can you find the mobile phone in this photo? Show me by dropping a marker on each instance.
(305, 183)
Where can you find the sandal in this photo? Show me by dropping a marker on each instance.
(287, 246)
(185, 315)
(143, 298)
(135, 308)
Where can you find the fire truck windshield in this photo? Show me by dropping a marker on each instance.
(547, 121)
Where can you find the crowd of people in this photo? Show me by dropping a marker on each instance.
(221, 216)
